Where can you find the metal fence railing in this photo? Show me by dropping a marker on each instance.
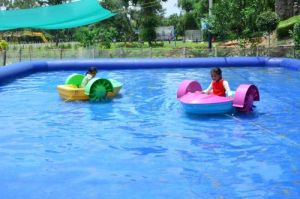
(27, 54)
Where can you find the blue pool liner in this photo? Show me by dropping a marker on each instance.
(14, 71)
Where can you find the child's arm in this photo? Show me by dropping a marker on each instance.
(208, 90)
(227, 88)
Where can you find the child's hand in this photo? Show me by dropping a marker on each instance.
(110, 94)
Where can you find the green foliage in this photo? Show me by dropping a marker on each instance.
(189, 21)
(187, 5)
(106, 36)
(296, 34)
(87, 36)
(236, 19)
(224, 21)
(285, 26)
(267, 21)
(3, 45)
(148, 28)
(177, 21)
(21, 4)
(158, 44)
(130, 45)
(125, 21)
(65, 46)
(90, 36)
(194, 11)
(149, 19)
(232, 19)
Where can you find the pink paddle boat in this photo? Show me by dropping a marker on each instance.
(194, 101)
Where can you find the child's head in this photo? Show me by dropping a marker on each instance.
(216, 74)
(92, 71)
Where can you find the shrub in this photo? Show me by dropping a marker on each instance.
(3, 45)
(65, 46)
(130, 45)
(296, 34)
(157, 44)
(286, 26)
(267, 21)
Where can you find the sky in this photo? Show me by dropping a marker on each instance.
(171, 7)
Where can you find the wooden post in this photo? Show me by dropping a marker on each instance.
(30, 53)
(61, 53)
(20, 54)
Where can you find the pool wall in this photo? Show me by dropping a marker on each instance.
(13, 71)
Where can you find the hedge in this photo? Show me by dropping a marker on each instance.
(285, 26)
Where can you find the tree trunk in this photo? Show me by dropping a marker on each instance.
(269, 40)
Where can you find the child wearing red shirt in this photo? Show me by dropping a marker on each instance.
(218, 86)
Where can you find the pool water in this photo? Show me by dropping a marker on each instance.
(142, 144)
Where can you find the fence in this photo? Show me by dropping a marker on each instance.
(28, 54)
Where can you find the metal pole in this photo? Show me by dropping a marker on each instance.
(210, 3)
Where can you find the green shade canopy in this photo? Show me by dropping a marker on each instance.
(68, 15)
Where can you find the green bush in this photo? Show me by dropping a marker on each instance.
(3, 45)
(296, 34)
(267, 21)
(158, 44)
(65, 46)
(130, 45)
(286, 26)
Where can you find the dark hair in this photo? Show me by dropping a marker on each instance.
(92, 70)
(216, 70)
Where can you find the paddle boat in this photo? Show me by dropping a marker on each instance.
(194, 101)
(97, 89)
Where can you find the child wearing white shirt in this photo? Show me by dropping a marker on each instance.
(90, 74)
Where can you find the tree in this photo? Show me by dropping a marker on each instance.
(87, 36)
(176, 21)
(52, 2)
(123, 21)
(20, 4)
(23, 4)
(194, 10)
(236, 19)
(267, 22)
(150, 18)
(106, 36)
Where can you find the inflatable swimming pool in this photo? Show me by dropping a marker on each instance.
(22, 69)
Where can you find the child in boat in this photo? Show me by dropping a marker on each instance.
(218, 86)
(90, 74)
